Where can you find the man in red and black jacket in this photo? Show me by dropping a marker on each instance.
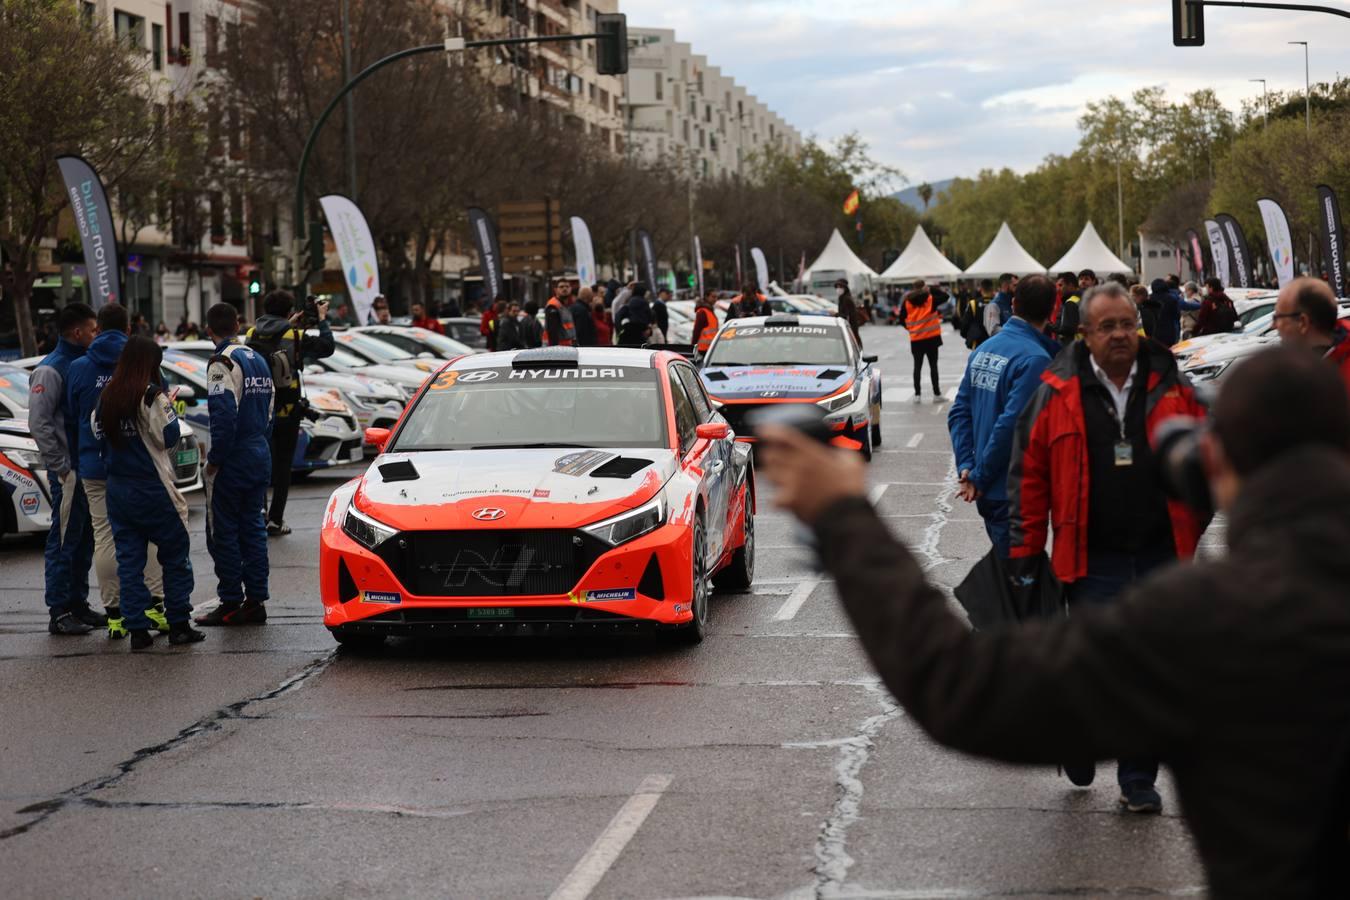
(1082, 464)
(1306, 315)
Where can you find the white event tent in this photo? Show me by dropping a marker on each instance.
(1005, 256)
(839, 257)
(921, 260)
(1091, 252)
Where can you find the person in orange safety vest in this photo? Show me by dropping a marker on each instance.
(922, 319)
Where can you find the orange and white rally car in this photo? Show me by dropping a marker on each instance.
(555, 491)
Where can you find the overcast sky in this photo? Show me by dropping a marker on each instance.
(948, 87)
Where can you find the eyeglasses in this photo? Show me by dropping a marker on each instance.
(1292, 315)
(1126, 325)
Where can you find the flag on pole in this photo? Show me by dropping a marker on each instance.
(852, 203)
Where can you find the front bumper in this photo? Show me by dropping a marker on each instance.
(505, 582)
(851, 422)
(331, 441)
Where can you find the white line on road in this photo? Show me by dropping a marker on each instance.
(793, 603)
(874, 496)
(605, 851)
(915, 441)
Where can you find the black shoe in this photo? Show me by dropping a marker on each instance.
(141, 639)
(89, 617)
(249, 613)
(1141, 797)
(184, 633)
(1080, 773)
(67, 624)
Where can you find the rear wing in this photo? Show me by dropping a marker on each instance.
(685, 350)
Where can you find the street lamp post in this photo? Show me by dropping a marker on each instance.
(350, 108)
(1265, 102)
(1307, 83)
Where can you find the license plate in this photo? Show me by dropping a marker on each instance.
(506, 613)
(187, 457)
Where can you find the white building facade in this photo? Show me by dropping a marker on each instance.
(681, 108)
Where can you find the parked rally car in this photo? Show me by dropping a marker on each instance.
(328, 434)
(758, 362)
(418, 341)
(549, 491)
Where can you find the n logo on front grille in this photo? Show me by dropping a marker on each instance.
(507, 569)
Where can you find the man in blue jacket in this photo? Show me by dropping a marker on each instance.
(1001, 378)
(84, 386)
(238, 472)
(70, 543)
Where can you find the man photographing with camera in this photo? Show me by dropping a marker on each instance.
(1235, 673)
(279, 335)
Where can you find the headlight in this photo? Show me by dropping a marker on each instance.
(364, 530)
(1207, 373)
(367, 401)
(624, 528)
(29, 459)
(842, 400)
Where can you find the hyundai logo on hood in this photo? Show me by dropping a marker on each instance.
(489, 514)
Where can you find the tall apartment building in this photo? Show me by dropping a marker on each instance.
(682, 108)
(562, 76)
(192, 251)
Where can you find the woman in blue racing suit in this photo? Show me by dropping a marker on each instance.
(137, 426)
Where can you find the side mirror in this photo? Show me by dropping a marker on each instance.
(379, 437)
(314, 369)
(425, 354)
(185, 394)
(713, 431)
(872, 359)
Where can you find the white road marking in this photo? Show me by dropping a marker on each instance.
(897, 395)
(793, 604)
(915, 441)
(605, 851)
(874, 496)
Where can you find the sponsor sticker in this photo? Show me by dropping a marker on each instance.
(616, 595)
(388, 598)
(578, 464)
(541, 494)
(680, 608)
(29, 503)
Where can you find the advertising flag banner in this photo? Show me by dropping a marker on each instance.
(489, 253)
(761, 269)
(1278, 238)
(648, 258)
(356, 251)
(852, 203)
(1197, 253)
(1218, 248)
(740, 269)
(581, 237)
(1239, 256)
(89, 203)
(1333, 247)
(698, 266)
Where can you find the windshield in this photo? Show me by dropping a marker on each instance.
(14, 386)
(779, 346)
(441, 344)
(343, 358)
(373, 349)
(480, 409)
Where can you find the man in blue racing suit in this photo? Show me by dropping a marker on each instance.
(238, 471)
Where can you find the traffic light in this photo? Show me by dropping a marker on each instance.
(611, 51)
(255, 283)
(1188, 24)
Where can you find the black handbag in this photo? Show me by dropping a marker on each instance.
(998, 592)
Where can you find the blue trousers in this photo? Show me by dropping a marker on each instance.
(1109, 575)
(70, 547)
(236, 535)
(141, 512)
(995, 515)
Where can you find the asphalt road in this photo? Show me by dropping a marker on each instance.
(766, 763)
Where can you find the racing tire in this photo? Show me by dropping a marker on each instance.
(697, 630)
(300, 474)
(357, 642)
(876, 429)
(867, 446)
(740, 572)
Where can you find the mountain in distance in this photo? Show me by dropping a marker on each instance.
(910, 195)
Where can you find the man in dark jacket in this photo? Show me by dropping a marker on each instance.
(583, 319)
(1217, 313)
(1235, 672)
(279, 335)
(848, 307)
(635, 318)
(661, 314)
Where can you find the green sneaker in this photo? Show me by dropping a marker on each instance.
(116, 630)
(156, 616)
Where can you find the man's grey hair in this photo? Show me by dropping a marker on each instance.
(1106, 289)
(1191, 288)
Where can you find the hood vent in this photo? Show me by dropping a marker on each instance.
(831, 374)
(717, 376)
(399, 470)
(621, 467)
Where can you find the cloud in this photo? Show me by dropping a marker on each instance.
(950, 87)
